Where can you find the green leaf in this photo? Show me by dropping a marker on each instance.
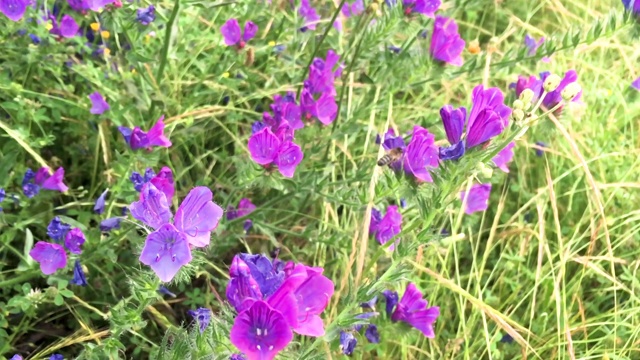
(58, 300)
(66, 293)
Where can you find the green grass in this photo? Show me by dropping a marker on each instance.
(553, 262)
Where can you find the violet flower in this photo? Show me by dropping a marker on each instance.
(74, 239)
(13, 9)
(554, 98)
(504, 157)
(540, 151)
(413, 310)
(424, 7)
(79, 278)
(17, 357)
(636, 84)
(532, 45)
(628, 5)
(260, 332)
(2, 196)
(478, 198)
(530, 82)
(110, 224)
(50, 256)
(68, 27)
(372, 334)
(309, 14)
(267, 149)
(57, 230)
(234, 37)
(202, 316)
(98, 104)
(354, 9)
(421, 154)
(393, 143)
(245, 207)
(146, 16)
(446, 43)
(167, 249)
(32, 182)
(386, 227)
(98, 208)
(371, 304)
(391, 298)
(56, 357)
(488, 118)
(248, 224)
(164, 291)
(163, 181)
(348, 342)
(137, 138)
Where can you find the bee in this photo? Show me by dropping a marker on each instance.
(390, 157)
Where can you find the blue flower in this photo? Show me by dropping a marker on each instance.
(78, 275)
(348, 342)
(372, 334)
(202, 316)
(57, 229)
(100, 203)
(110, 224)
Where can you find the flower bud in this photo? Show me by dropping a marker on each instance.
(571, 91)
(484, 171)
(526, 96)
(551, 82)
(518, 114)
(518, 105)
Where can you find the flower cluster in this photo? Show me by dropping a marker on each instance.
(273, 300)
(33, 182)
(551, 98)
(52, 256)
(234, 37)
(417, 158)
(168, 247)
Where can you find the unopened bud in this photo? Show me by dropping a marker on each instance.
(484, 171)
(551, 82)
(373, 8)
(571, 91)
(518, 114)
(518, 105)
(526, 96)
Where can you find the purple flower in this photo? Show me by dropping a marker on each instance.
(391, 298)
(414, 310)
(110, 224)
(196, 217)
(387, 227)
(309, 14)
(56, 357)
(371, 333)
(164, 291)
(628, 5)
(13, 9)
(540, 151)
(16, 357)
(267, 149)
(504, 157)
(532, 45)
(50, 256)
(98, 5)
(245, 207)
(2, 196)
(371, 304)
(57, 229)
(348, 342)
(98, 104)
(355, 9)
(35, 39)
(421, 154)
(322, 74)
(79, 277)
(506, 338)
(325, 108)
(424, 7)
(138, 139)
(100, 202)
(636, 83)
(248, 224)
(478, 198)
(553, 98)
(233, 36)
(163, 181)
(237, 357)
(446, 43)
(202, 316)
(146, 16)
(74, 239)
(530, 82)
(68, 27)
(260, 332)
(43, 179)
(166, 250)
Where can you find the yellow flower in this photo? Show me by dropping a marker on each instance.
(272, 43)
(107, 52)
(48, 26)
(95, 26)
(105, 34)
(225, 74)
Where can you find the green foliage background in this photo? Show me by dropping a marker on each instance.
(554, 259)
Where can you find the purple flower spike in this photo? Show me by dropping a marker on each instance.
(231, 32)
(68, 27)
(260, 332)
(250, 30)
(110, 224)
(391, 298)
(146, 16)
(197, 216)
(152, 208)
(74, 240)
(532, 45)
(504, 157)
(202, 316)
(309, 14)
(50, 256)
(421, 154)
(489, 116)
(446, 43)
(636, 84)
(348, 343)
(478, 198)
(79, 278)
(100, 202)
(166, 250)
(57, 230)
(414, 310)
(13, 9)
(424, 7)
(98, 104)
(372, 334)
(51, 182)
(387, 227)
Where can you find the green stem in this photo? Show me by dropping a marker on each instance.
(18, 279)
(165, 47)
